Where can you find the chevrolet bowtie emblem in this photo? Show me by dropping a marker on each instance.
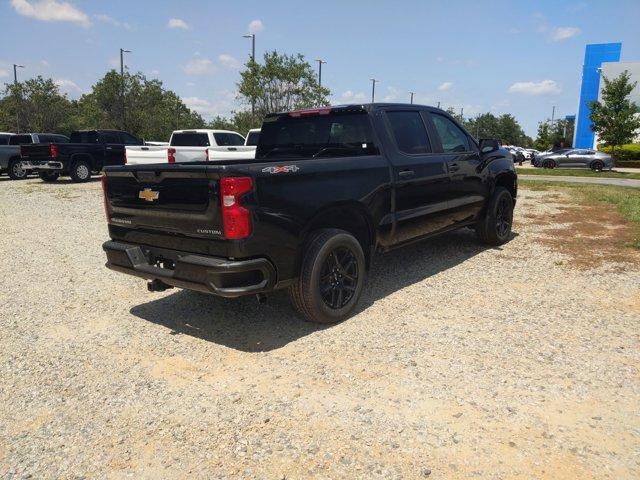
(148, 195)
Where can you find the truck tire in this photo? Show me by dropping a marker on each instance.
(80, 171)
(49, 176)
(15, 170)
(495, 227)
(331, 277)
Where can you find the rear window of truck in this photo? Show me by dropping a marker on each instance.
(189, 139)
(338, 133)
(252, 139)
(228, 139)
(20, 140)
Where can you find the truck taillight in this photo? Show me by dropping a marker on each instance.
(236, 220)
(171, 155)
(53, 151)
(103, 181)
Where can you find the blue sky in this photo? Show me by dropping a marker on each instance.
(501, 56)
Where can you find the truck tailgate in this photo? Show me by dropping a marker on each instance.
(36, 151)
(154, 205)
(145, 155)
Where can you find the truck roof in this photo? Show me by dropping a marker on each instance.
(203, 130)
(354, 107)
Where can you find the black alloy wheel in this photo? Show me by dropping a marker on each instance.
(339, 277)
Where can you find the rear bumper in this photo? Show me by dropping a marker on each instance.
(219, 276)
(42, 165)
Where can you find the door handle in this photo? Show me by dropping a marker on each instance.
(232, 149)
(454, 167)
(406, 174)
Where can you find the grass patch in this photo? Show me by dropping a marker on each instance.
(576, 172)
(625, 199)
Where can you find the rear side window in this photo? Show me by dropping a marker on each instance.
(409, 132)
(453, 139)
(129, 139)
(84, 137)
(228, 139)
(4, 139)
(20, 140)
(110, 137)
(334, 134)
(252, 139)
(189, 139)
(60, 139)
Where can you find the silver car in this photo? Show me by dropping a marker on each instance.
(577, 157)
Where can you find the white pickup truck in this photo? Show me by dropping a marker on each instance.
(193, 146)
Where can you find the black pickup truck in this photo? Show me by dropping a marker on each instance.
(87, 152)
(327, 189)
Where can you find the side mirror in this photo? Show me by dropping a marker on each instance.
(488, 145)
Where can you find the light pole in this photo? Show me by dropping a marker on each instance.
(373, 89)
(122, 52)
(15, 72)
(252, 36)
(320, 62)
(412, 96)
(15, 84)
(438, 104)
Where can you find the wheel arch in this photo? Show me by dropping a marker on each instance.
(508, 180)
(351, 217)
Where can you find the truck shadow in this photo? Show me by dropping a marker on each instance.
(246, 325)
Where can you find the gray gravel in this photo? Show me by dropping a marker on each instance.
(463, 362)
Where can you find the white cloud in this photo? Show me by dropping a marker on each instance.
(229, 62)
(4, 72)
(178, 23)
(562, 33)
(223, 104)
(545, 87)
(255, 26)
(44, 63)
(446, 86)
(199, 66)
(112, 21)
(350, 97)
(51, 11)
(392, 94)
(68, 86)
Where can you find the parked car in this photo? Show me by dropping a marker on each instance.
(328, 187)
(540, 156)
(87, 152)
(578, 157)
(193, 146)
(252, 137)
(10, 161)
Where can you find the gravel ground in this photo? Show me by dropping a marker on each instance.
(462, 362)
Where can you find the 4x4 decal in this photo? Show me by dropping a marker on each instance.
(281, 169)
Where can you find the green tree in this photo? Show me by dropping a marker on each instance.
(504, 128)
(151, 111)
(615, 118)
(556, 135)
(35, 105)
(283, 82)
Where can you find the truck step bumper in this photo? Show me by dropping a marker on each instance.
(49, 165)
(219, 276)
